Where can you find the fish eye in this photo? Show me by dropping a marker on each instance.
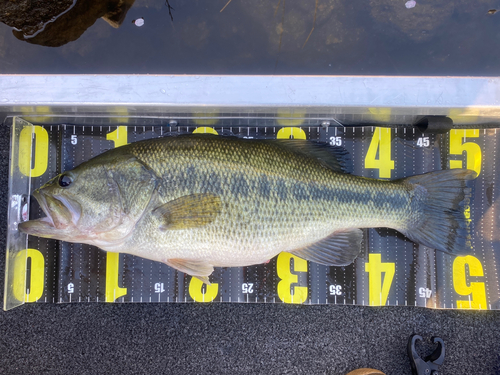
(65, 180)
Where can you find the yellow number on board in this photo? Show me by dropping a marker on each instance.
(283, 262)
(476, 290)
(288, 278)
(205, 130)
(206, 118)
(380, 114)
(287, 117)
(36, 276)
(41, 156)
(458, 146)
(198, 295)
(378, 290)
(118, 136)
(381, 142)
(113, 290)
(291, 133)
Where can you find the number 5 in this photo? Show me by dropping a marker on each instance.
(475, 290)
(472, 149)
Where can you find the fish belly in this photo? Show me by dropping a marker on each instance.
(264, 214)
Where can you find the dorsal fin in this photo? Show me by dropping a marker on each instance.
(334, 157)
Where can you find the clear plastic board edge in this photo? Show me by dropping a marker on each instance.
(50, 271)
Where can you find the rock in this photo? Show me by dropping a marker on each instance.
(55, 23)
(30, 15)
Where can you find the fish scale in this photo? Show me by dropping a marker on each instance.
(195, 202)
(254, 226)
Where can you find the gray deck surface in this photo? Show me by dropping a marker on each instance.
(231, 338)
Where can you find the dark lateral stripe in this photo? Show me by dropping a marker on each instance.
(264, 186)
(238, 185)
(342, 195)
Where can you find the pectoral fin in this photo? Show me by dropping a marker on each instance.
(338, 249)
(189, 211)
(198, 269)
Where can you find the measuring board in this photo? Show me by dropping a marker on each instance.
(390, 270)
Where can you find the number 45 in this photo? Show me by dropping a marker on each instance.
(423, 142)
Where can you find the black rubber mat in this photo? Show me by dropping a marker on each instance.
(228, 338)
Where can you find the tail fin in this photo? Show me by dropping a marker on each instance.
(442, 197)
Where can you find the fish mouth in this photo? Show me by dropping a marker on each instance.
(60, 212)
(44, 206)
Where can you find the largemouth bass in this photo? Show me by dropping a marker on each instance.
(198, 202)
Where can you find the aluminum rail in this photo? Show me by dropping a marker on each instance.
(365, 98)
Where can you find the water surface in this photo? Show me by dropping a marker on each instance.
(376, 37)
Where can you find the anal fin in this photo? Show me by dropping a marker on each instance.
(196, 268)
(338, 249)
(204, 279)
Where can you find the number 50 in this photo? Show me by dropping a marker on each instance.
(472, 149)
